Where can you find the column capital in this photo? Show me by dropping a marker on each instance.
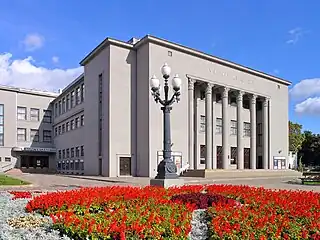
(253, 98)
(209, 88)
(240, 95)
(266, 102)
(225, 91)
(191, 83)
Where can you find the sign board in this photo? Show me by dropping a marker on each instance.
(176, 157)
(33, 149)
(279, 162)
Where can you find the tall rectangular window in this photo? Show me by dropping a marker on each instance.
(21, 134)
(63, 105)
(77, 152)
(202, 124)
(47, 136)
(68, 102)
(100, 112)
(233, 127)
(34, 114)
(56, 109)
(219, 125)
(47, 116)
(1, 125)
(77, 123)
(21, 113)
(72, 104)
(72, 125)
(246, 129)
(34, 135)
(60, 107)
(259, 132)
(67, 126)
(82, 120)
(82, 92)
(78, 95)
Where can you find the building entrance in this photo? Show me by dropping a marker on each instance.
(28, 161)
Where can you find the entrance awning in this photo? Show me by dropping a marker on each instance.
(34, 149)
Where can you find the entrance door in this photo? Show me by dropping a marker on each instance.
(125, 166)
(246, 158)
(219, 157)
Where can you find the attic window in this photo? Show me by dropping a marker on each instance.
(169, 53)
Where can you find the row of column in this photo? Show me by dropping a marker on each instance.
(211, 161)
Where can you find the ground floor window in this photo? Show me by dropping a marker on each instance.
(34, 161)
(125, 166)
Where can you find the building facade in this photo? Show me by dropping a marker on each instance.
(107, 123)
(26, 129)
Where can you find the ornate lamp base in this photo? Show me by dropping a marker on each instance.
(167, 170)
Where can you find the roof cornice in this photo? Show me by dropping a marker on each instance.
(102, 46)
(197, 53)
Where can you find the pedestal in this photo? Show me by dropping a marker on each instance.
(166, 183)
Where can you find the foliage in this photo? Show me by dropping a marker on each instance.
(6, 180)
(310, 151)
(296, 137)
(156, 213)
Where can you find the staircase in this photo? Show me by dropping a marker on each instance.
(5, 166)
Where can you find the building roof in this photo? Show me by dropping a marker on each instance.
(179, 47)
(29, 91)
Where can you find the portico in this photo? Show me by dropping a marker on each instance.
(236, 140)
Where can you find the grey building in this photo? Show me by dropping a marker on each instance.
(229, 117)
(26, 139)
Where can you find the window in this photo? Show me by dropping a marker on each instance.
(34, 114)
(219, 125)
(82, 151)
(22, 113)
(72, 152)
(246, 103)
(233, 153)
(100, 107)
(246, 129)
(72, 99)
(60, 107)
(63, 153)
(77, 152)
(202, 154)
(1, 124)
(77, 124)
(233, 127)
(47, 116)
(78, 95)
(47, 135)
(56, 131)
(21, 134)
(218, 98)
(59, 131)
(56, 109)
(259, 132)
(59, 154)
(202, 123)
(7, 159)
(63, 128)
(63, 105)
(202, 94)
(82, 120)
(233, 100)
(67, 126)
(68, 152)
(68, 102)
(82, 92)
(72, 124)
(34, 135)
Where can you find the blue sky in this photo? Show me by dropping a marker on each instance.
(42, 42)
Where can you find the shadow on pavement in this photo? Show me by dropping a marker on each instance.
(94, 179)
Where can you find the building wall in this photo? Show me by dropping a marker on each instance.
(28, 99)
(182, 64)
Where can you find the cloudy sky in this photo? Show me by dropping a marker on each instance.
(42, 42)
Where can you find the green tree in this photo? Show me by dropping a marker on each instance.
(296, 137)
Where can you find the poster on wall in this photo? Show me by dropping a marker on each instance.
(176, 157)
(279, 162)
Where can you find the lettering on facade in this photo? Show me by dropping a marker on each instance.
(32, 149)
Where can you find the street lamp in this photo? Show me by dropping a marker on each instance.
(166, 168)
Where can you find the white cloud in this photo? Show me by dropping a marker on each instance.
(24, 73)
(55, 59)
(310, 106)
(33, 42)
(306, 88)
(295, 34)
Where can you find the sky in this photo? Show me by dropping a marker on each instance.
(42, 42)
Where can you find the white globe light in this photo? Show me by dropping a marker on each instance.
(176, 82)
(166, 70)
(154, 83)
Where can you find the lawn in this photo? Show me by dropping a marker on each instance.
(9, 181)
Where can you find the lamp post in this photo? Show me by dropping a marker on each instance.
(166, 168)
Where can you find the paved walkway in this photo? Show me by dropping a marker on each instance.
(64, 182)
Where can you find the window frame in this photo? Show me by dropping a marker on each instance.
(19, 134)
(36, 135)
(44, 136)
(35, 117)
(21, 114)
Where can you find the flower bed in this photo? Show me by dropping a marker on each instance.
(157, 213)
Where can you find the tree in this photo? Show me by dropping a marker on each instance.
(296, 137)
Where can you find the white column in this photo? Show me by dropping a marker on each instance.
(191, 122)
(265, 156)
(240, 161)
(214, 147)
(208, 139)
(225, 129)
(253, 128)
